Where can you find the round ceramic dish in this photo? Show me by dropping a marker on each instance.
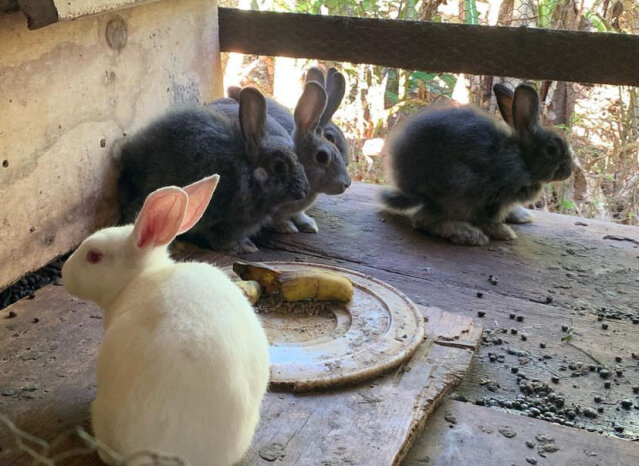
(344, 343)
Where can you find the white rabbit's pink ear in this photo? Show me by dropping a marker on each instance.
(200, 194)
(161, 216)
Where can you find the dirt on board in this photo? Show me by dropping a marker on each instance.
(559, 303)
(459, 434)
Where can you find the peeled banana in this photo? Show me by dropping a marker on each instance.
(298, 285)
(251, 289)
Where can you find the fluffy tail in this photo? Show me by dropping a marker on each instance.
(395, 200)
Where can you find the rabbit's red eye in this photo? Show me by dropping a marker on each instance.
(94, 256)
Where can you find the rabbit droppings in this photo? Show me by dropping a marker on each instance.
(254, 156)
(319, 144)
(459, 175)
(183, 365)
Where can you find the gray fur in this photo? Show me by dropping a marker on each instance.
(253, 155)
(319, 144)
(465, 175)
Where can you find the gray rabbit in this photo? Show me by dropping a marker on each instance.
(459, 175)
(319, 144)
(335, 86)
(251, 152)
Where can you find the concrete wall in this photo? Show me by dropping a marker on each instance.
(67, 92)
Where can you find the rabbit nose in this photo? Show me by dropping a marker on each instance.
(346, 184)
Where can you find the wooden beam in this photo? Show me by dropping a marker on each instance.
(41, 13)
(523, 52)
(7, 6)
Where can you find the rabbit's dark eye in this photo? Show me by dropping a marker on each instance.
(552, 150)
(322, 157)
(329, 137)
(278, 167)
(94, 256)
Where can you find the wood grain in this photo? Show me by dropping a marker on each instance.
(574, 261)
(503, 51)
(561, 257)
(462, 434)
(47, 385)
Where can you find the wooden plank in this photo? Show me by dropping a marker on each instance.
(561, 257)
(576, 56)
(39, 13)
(47, 384)
(7, 6)
(47, 368)
(67, 96)
(344, 427)
(458, 433)
(370, 424)
(42, 13)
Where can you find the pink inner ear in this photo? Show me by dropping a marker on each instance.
(310, 106)
(200, 194)
(161, 216)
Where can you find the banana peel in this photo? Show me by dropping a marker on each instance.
(266, 276)
(298, 285)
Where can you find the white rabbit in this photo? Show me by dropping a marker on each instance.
(183, 364)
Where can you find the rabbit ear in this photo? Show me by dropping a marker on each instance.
(314, 74)
(505, 102)
(310, 107)
(335, 88)
(200, 194)
(525, 110)
(252, 119)
(234, 92)
(161, 216)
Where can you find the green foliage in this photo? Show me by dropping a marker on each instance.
(409, 12)
(470, 10)
(545, 9)
(597, 21)
(362, 8)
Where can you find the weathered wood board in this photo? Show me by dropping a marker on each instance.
(572, 260)
(373, 423)
(48, 350)
(588, 268)
(67, 93)
(42, 13)
(462, 434)
(47, 355)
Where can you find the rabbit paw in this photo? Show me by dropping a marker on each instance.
(246, 246)
(305, 223)
(460, 233)
(519, 215)
(499, 231)
(284, 226)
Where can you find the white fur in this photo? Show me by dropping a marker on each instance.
(183, 364)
